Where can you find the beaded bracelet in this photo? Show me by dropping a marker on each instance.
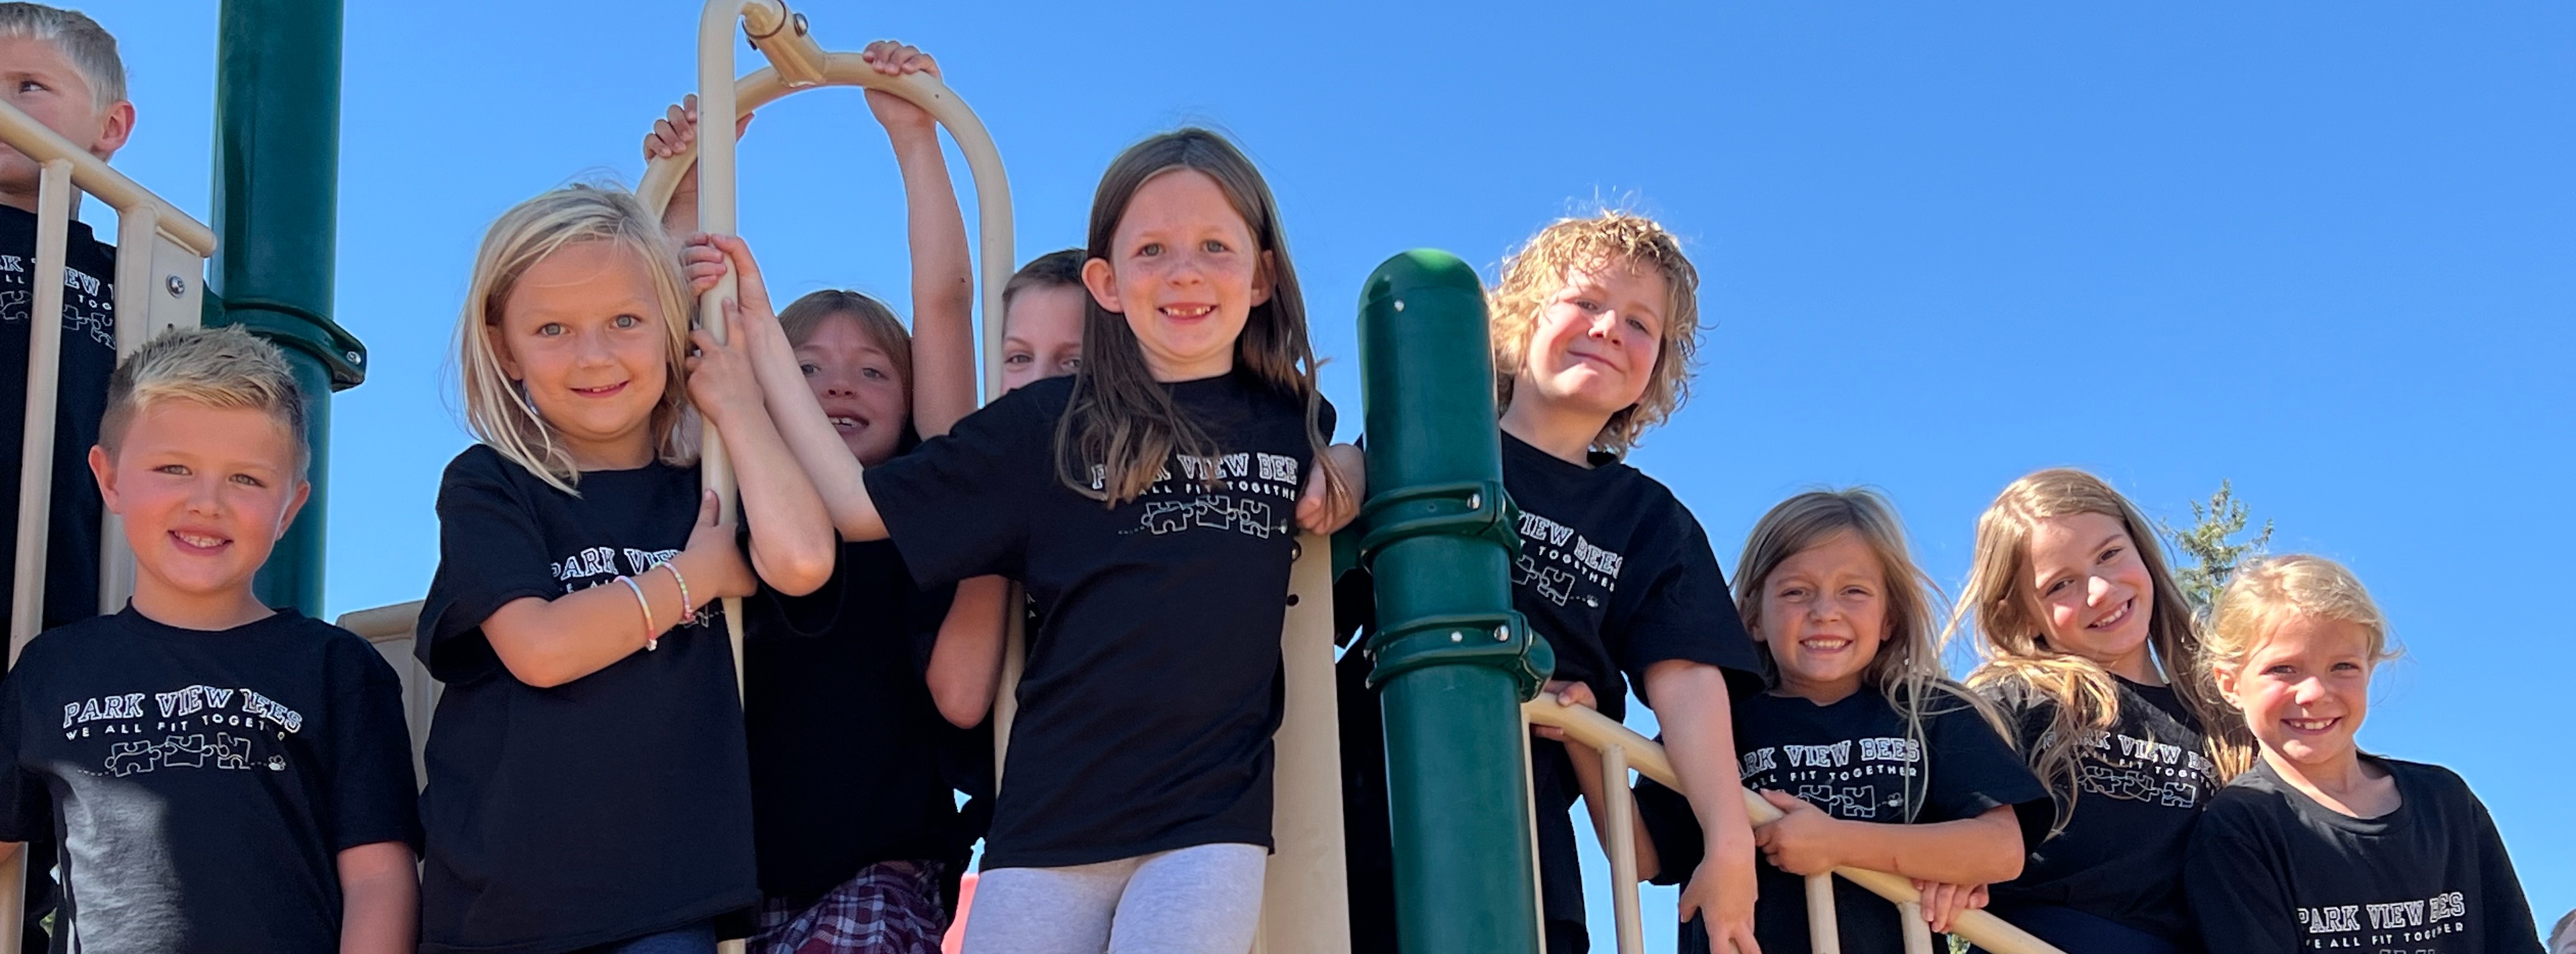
(688, 611)
(652, 634)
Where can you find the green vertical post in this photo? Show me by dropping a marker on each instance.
(277, 176)
(1451, 661)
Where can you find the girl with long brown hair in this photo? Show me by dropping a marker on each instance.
(1150, 505)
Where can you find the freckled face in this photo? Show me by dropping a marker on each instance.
(855, 380)
(2305, 690)
(1184, 270)
(1824, 617)
(205, 493)
(2094, 594)
(583, 332)
(1042, 335)
(1594, 345)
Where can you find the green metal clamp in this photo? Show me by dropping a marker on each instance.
(1478, 509)
(1501, 640)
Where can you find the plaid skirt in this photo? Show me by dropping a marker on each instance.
(891, 907)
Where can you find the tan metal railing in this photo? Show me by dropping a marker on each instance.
(160, 265)
(1622, 750)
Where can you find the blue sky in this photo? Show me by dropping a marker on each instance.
(2327, 252)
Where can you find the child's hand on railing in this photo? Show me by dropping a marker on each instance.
(721, 381)
(1321, 512)
(1567, 693)
(1802, 840)
(716, 567)
(898, 115)
(1943, 903)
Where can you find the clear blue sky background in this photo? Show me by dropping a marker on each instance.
(2325, 251)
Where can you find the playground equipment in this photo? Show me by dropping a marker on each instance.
(1452, 662)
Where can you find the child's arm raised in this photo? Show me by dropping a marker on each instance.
(379, 898)
(943, 278)
(793, 411)
(673, 134)
(1699, 735)
(549, 642)
(1806, 841)
(791, 546)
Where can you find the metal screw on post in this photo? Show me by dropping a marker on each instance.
(176, 285)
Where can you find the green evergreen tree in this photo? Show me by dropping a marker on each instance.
(2205, 554)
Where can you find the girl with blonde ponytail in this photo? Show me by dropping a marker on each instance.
(2091, 653)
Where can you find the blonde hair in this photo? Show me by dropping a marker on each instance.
(1537, 271)
(89, 47)
(2014, 643)
(1907, 668)
(875, 319)
(223, 368)
(2267, 592)
(497, 409)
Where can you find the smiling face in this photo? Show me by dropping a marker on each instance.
(205, 493)
(1185, 271)
(42, 82)
(1823, 617)
(583, 332)
(2304, 691)
(1042, 335)
(858, 386)
(2093, 592)
(1593, 348)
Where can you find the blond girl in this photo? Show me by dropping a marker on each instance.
(1876, 760)
(2093, 658)
(589, 734)
(2321, 846)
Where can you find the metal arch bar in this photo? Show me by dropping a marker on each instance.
(1596, 730)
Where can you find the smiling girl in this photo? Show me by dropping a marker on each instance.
(1150, 505)
(1876, 760)
(590, 734)
(2321, 845)
(2093, 658)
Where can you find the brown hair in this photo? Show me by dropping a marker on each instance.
(808, 312)
(1536, 272)
(1907, 669)
(225, 368)
(2014, 643)
(1061, 268)
(1120, 423)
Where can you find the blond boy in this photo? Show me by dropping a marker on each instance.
(216, 774)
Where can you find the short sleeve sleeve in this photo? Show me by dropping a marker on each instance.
(25, 810)
(1673, 830)
(1685, 613)
(2234, 889)
(490, 552)
(1974, 771)
(374, 796)
(2507, 911)
(957, 506)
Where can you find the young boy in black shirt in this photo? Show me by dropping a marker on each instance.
(1594, 327)
(2322, 847)
(63, 71)
(217, 775)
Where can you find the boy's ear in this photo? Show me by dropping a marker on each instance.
(102, 466)
(1264, 282)
(303, 492)
(112, 134)
(1103, 284)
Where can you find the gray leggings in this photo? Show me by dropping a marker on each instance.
(1205, 899)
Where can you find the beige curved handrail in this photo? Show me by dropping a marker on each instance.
(1622, 749)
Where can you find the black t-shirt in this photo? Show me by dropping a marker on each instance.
(204, 782)
(1149, 700)
(2271, 871)
(614, 805)
(89, 357)
(2143, 785)
(1617, 575)
(1855, 760)
(846, 744)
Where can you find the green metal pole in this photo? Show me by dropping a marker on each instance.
(277, 175)
(1452, 662)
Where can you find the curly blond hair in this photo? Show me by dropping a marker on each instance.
(1537, 271)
